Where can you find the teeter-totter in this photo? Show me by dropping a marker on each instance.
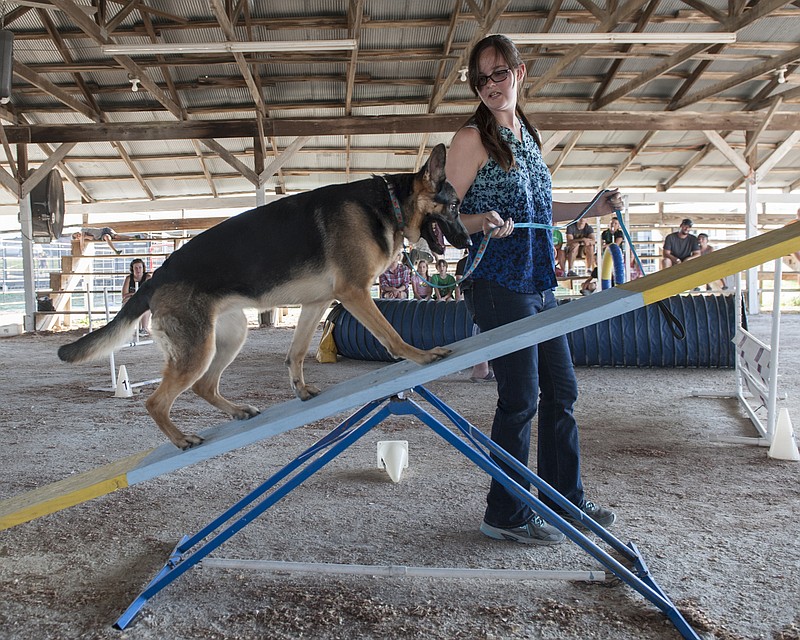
(380, 394)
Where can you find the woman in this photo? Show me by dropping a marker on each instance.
(496, 167)
(136, 278)
(422, 290)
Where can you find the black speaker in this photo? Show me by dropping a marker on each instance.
(6, 64)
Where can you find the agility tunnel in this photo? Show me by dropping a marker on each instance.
(639, 338)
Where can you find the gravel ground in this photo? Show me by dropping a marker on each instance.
(717, 523)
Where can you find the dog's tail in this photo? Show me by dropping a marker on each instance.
(102, 342)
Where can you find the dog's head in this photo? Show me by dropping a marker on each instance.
(436, 206)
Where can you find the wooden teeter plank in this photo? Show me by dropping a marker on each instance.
(718, 264)
(68, 492)
(403, 375)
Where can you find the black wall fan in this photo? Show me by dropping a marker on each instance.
(47, 208)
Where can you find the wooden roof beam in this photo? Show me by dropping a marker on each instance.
(740, 78)
(230, 35)
(762, 9)
(611, 21)
(388, 124)
(99, 36)
(490, 18)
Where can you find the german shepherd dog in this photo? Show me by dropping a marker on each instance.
(307, 249)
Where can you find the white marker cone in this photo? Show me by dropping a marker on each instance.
(783, 445)
(123, 389)
(393, 454)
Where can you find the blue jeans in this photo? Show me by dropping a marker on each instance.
(540, 378)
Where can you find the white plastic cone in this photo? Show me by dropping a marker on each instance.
(123, 389)
(393, 454)
(783, 445)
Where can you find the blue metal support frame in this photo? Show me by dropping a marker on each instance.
(472, 443)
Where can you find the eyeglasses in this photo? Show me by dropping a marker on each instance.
(497, 76)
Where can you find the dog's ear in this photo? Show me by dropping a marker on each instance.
(434, 168)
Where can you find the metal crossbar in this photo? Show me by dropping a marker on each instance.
(469, 441)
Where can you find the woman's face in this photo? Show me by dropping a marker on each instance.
(498, 95)
(138, 270)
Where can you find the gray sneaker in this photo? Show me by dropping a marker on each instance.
(535, 531)
(602, 516)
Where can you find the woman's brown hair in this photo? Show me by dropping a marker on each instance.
(483, 119)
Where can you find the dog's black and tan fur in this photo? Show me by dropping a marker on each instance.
(308, 249)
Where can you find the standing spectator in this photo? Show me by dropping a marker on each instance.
(395, 280)
(444, 283)
(461, 267)
(496, 167)
(580, 242)
(680, 246)
(422, 290)
(133, 281)
(481, 372)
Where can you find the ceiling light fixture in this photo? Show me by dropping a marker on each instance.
(463, 74)
(228, 47)
(135, 82)
(712, 37)
(781, 74)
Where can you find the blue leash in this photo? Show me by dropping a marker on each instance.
(675, 325)
(522, 225)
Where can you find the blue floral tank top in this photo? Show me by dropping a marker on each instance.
(523, 261)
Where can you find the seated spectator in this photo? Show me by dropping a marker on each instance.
(422, 290)
(680, 246)
(394, 281)
(580, 243)
(136, 278)
(589, 285)
(613, 234)
(560, 256)
(705, 249)
(635, 272)
(444, 283)
(105, 233)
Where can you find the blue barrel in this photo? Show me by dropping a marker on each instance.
(639, 338)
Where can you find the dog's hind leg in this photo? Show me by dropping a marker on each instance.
(362, 306)
(188, 343)
(307, 323)
(229, 336)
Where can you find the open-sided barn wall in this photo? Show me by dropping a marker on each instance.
(406, 62)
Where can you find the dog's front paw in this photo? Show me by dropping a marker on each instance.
(306, 392)
(188, 441)
(245, 411)
(432, 355)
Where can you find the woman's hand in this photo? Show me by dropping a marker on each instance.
(610, 203)
(494, 225)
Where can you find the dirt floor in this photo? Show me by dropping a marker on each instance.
(717, 523)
